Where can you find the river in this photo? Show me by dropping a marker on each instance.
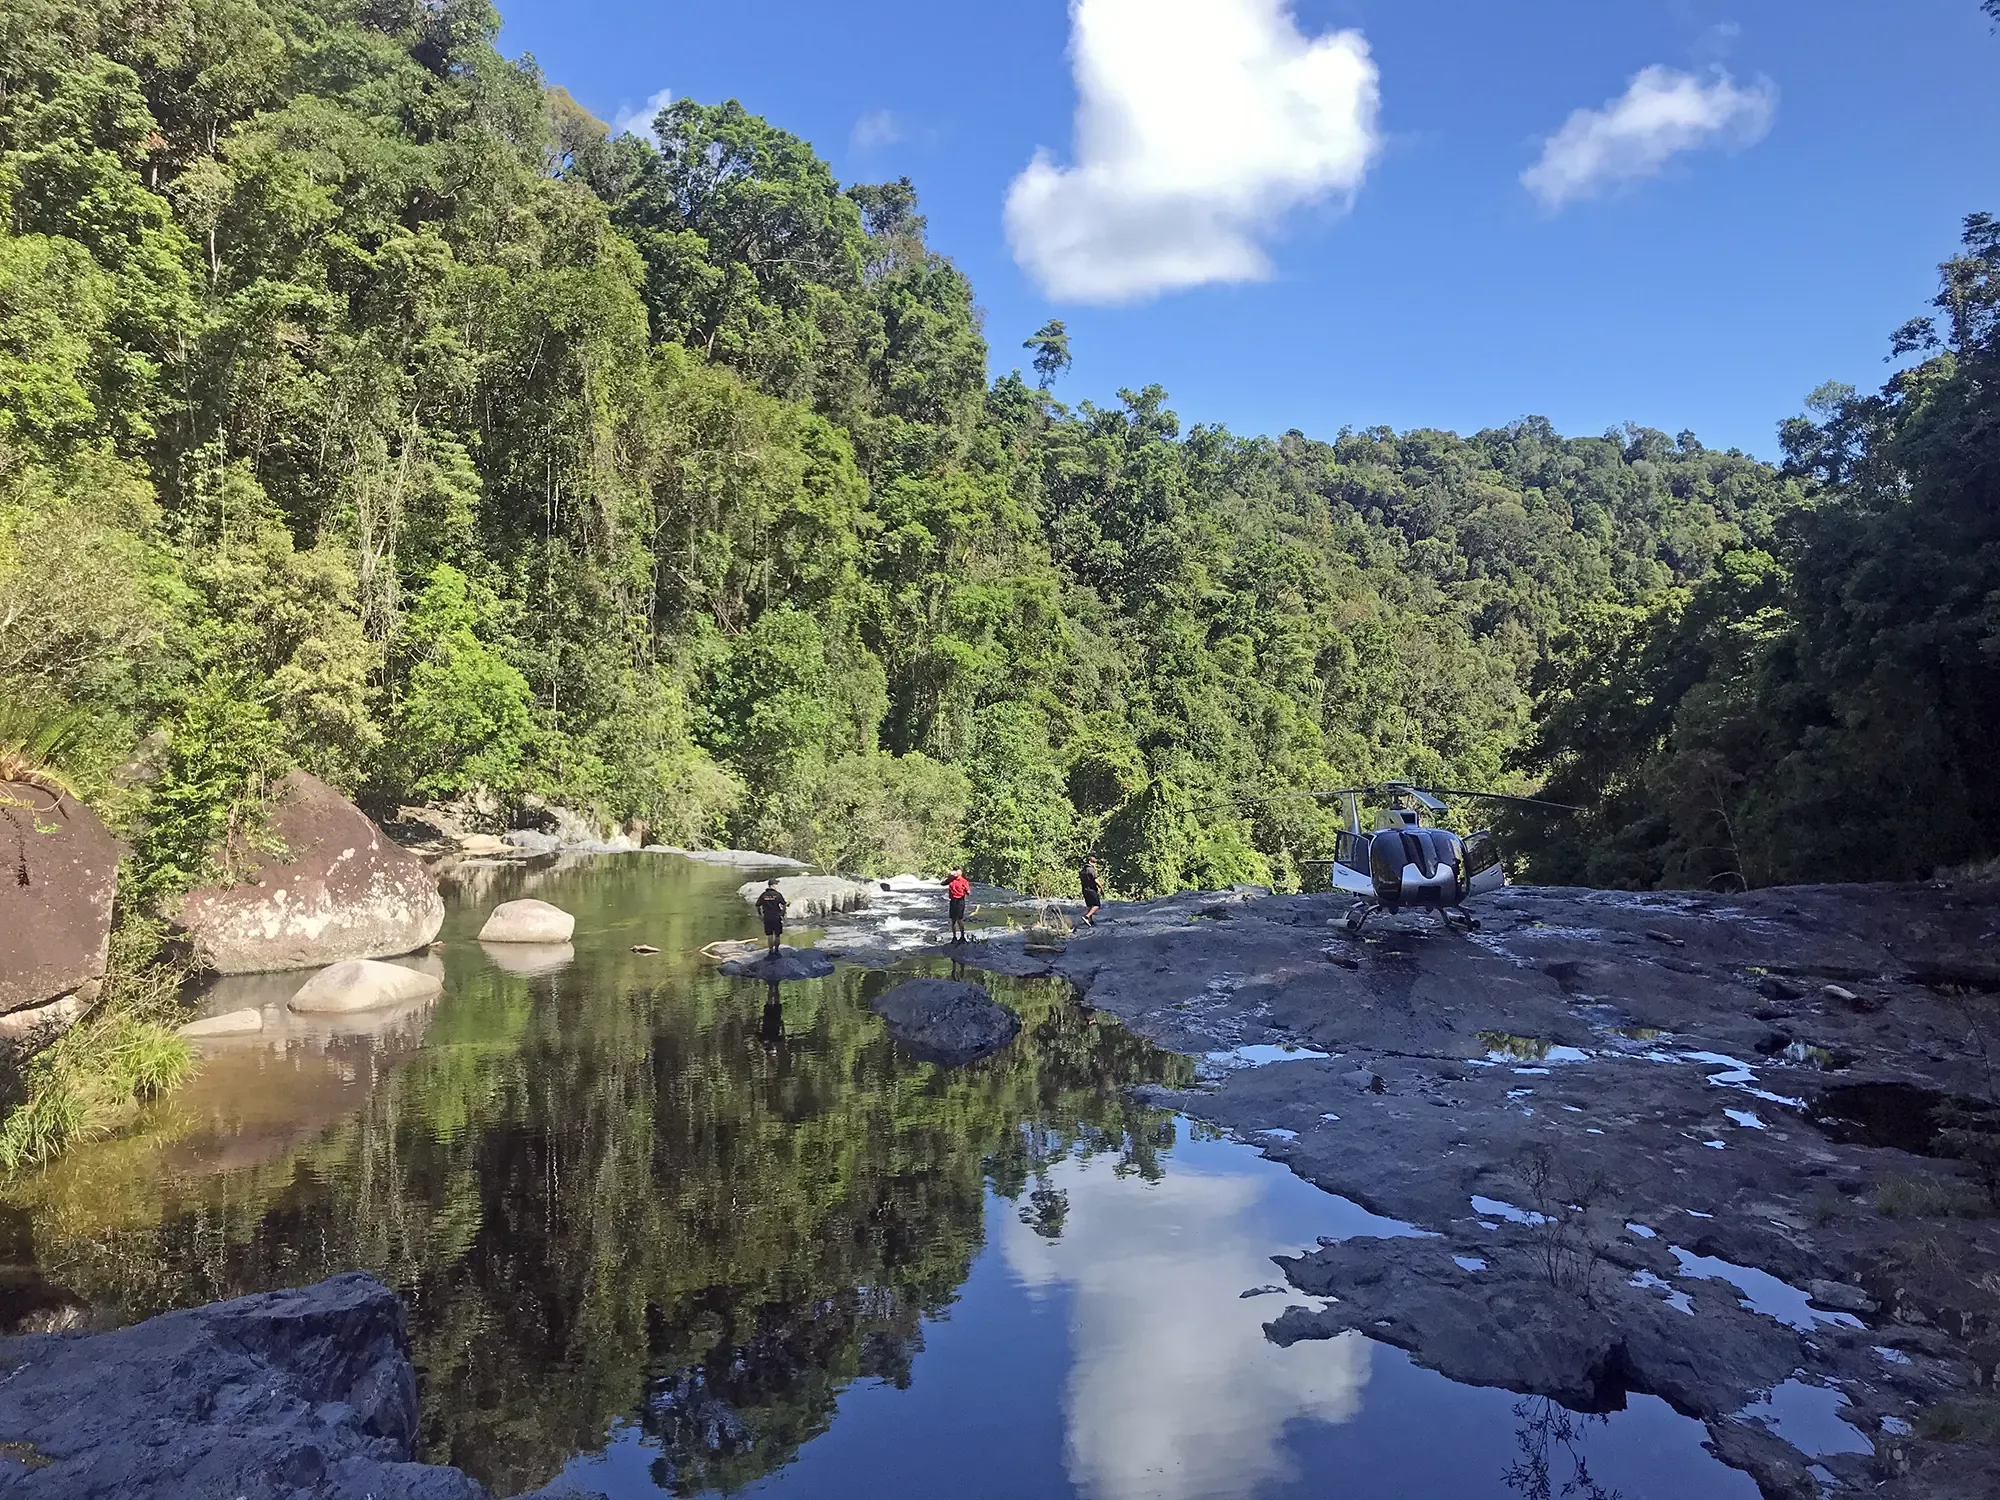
(665, 1232)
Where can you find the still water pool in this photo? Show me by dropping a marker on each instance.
(663, 1232)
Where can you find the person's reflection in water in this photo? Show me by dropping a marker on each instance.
(771, 1030)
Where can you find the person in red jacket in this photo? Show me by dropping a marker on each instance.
(957, 889)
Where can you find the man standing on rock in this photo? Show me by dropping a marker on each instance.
(1093, 891)
(771, 907)
(957, 889)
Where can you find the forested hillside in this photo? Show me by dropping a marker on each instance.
(364, 406)
(1827, 708)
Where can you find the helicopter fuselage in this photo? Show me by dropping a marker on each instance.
(1407, 864)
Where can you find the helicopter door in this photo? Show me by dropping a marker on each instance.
(1483, 870)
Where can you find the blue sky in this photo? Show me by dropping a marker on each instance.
(1314, 214)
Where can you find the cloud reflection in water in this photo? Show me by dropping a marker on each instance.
(1174, 1393)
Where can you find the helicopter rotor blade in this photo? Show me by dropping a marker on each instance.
(1391, 788)
(1350, 791)
(1445, 791)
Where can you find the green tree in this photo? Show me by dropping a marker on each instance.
(1051, 345)
(465, 717)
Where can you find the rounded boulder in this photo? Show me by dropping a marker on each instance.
(813, 895)
(363, 984)
(340, 890)
(528, 922)
(945, 1020)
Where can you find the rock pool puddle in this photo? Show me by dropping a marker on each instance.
(1761, 1292)
(674, 1234)
(1809, 1418)
(1260, 1055)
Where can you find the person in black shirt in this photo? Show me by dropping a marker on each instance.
(1093, 891)
(771, 907)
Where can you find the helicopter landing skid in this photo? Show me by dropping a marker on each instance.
(1451, 919)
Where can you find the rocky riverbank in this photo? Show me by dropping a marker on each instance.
(1711, 1149)
(306, 1392)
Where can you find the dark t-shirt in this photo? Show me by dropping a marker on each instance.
(771, 906)
(1091, 889)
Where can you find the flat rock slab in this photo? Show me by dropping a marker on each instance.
(945, 1021)
(528, 922)
(785, 964)
(342, 889)
(246, 1022)
(1600, 1103)
(272, 1397)
(813, 895)
(364, 984)
(742, 859)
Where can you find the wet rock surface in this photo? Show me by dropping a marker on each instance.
(306, 1392)
(342, 889)
(784, 965)
(60, 871)
(945, 1020)
(1614, 1105)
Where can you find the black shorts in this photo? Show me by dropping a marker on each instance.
(958, 908)
(1092, 896)
(773, 926)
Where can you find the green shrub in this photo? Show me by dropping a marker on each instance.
(223, 750)
(1021, 831)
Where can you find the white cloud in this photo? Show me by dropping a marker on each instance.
(876, 129)
(1199, 124)
(639, 121)
(1662, 113)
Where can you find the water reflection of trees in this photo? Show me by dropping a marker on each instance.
(607, 1198)
(1552, 1461)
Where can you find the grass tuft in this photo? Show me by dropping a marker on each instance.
(1974, 1420)
(92, 1079)
(1930, 1198)
(88, 1083)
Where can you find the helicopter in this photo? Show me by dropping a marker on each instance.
(1405, 861)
